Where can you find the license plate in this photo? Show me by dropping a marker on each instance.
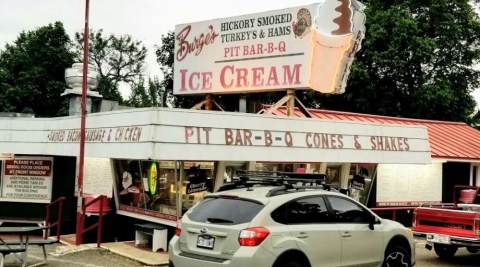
(205, 241)
(435, 238)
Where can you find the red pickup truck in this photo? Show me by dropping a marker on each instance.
(450, 227)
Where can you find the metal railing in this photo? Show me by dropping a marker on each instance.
(58, 223)
(102, 199)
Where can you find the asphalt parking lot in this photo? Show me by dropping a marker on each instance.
(72, 256)
(90, 256)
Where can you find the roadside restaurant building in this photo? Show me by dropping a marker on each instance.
(140, 157)
(156, 162)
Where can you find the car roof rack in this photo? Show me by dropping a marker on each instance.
(283, 180)
(281, 174)
(296, 188)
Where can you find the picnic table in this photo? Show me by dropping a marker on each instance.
(21, 242)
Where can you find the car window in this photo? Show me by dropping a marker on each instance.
(224, 211)
(303, 211)
(347, 211)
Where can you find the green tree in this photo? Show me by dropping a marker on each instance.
(165, 57)
(119, 59)
(151, 95)
(418, 60)
(32, 72)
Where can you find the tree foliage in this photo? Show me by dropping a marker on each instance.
(418, 60)
(151, 95)
(165, 57)
(32, 72)
(119, 59)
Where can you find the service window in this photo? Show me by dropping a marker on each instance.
(148, 187)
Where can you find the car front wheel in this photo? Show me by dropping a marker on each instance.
(397, 257)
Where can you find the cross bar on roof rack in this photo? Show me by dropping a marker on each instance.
(282, 189)
(275, 178)
(308, 177)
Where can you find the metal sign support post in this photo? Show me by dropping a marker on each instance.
(290, 102)
(290, 99)
(208, 103)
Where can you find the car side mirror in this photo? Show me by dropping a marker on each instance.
(373, 220)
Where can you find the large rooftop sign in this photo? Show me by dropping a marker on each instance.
(296, 48)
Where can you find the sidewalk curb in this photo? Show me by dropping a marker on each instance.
(68, 248)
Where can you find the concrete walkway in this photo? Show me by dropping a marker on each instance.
(143, 255)
(125, 249)
(68, 254)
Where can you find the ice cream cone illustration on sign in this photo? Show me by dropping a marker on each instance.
(336, 34)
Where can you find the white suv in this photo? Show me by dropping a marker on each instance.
(287, 226)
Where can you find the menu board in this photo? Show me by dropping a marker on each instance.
(27, 179)
(98, 177)
(409, 184)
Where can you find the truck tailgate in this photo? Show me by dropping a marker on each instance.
(454, 222)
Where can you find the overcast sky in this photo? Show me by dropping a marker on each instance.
(144, 20)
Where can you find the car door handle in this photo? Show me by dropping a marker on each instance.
(302, 235)
(346, 234)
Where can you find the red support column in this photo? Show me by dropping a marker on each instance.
(79, 228)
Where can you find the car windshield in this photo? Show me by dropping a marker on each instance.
(224, 211)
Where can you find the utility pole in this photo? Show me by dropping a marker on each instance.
(79, 228)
